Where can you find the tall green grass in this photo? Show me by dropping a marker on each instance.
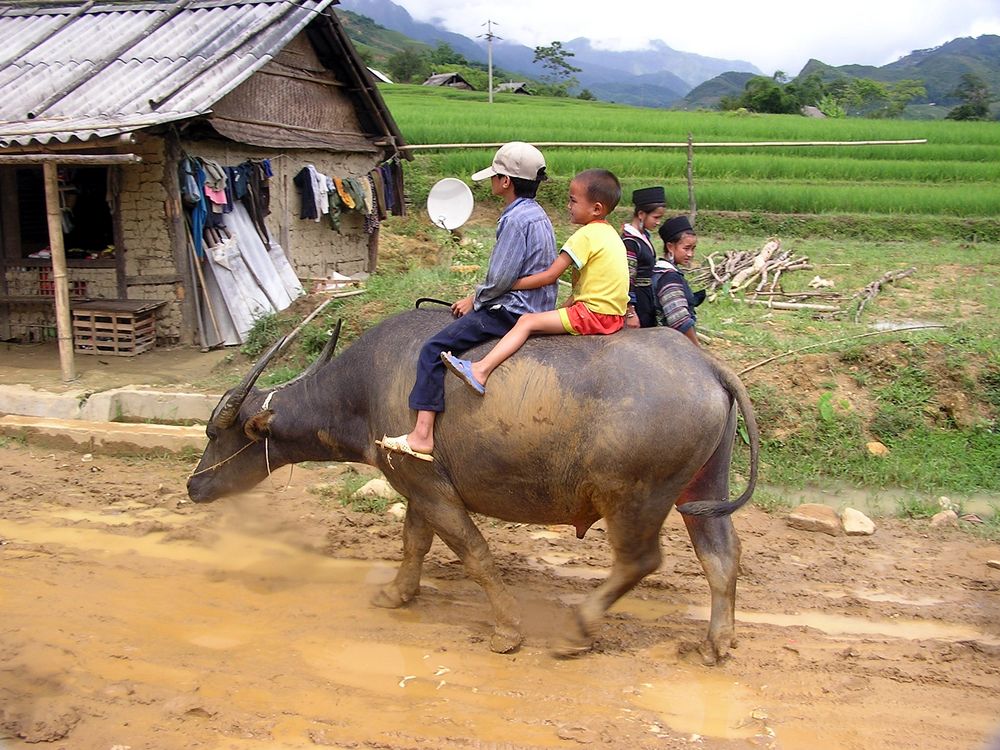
(955, 174)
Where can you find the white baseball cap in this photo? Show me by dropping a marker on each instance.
(514, 159)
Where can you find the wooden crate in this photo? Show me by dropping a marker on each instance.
(118, 328)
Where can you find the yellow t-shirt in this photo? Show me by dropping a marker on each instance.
(600, 273)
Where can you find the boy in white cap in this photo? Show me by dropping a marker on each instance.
(525, 245)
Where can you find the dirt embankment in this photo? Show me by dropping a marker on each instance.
(132, 618)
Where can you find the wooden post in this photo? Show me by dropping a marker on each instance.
(63, 324)
(692, 204)
(178, 237)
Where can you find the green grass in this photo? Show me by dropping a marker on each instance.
(341, 491)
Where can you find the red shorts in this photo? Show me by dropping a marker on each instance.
(579, 320)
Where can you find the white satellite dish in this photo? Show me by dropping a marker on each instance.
(449, 203)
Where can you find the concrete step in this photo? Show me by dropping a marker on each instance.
(103, 437)
(133, 403)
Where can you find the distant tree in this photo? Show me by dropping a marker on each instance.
(975, 96)
(586, 95)
(808, 91)
(408, 65)
(559, 71)
(445, 54)
(901, 93)
(763, 94)
(830, 107)
(868, 98)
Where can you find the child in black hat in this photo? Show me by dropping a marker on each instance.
(674, 298)
(649, 206)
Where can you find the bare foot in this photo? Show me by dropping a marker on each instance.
(419, 443)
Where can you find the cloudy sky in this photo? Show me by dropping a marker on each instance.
(771, 34)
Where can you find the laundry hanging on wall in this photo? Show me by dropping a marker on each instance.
(244, 272)
(374, 195)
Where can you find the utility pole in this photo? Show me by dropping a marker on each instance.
(489, 36)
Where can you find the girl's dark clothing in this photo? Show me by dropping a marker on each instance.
(675, 300)
(641, 259)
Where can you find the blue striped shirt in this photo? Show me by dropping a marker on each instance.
(525, 244)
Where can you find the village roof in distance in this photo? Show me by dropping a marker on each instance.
(79, 70)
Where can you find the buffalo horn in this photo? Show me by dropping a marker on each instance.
(327, 353)
(324, 356)
(232, 406)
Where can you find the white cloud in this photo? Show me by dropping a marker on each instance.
(771, 34)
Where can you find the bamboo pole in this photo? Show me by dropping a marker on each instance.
(64, 327)
(84, 159)
(683, 144)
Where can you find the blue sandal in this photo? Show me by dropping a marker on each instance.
(463, 368)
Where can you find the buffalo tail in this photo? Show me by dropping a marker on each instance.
(738, 392)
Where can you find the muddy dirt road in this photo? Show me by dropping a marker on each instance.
(130, 618)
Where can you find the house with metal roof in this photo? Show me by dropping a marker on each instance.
(513, 87)
(107, 105)
(454, 80)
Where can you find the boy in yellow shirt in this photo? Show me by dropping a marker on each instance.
(600, 280)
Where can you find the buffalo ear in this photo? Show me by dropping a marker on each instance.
(258, 426)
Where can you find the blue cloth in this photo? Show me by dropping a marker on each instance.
(525, 245)
(458, 336)
(199, 211)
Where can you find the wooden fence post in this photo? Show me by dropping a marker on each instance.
(692, 204)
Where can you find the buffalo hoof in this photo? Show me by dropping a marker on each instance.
(571, 649)
(713, 652)
(505, 641)
(575, 644)
(389, 597)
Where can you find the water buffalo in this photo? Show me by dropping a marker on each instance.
(573, 429)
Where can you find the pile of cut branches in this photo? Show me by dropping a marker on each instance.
(754, 277)
(757, 274)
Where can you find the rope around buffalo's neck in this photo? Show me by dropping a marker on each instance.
(267, 462)
(215, 466)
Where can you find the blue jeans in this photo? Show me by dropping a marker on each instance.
(458, 336)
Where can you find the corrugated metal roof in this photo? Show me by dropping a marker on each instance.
(77, 70)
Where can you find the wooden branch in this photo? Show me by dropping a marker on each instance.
(792, 305)
(789, 353)
(871, 291)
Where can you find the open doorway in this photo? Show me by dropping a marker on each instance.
(84, 213)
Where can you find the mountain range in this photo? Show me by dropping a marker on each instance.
(660, 76)
(653, 77)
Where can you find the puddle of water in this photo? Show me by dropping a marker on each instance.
(834, 625)
(702, 702)
(871, 595)
(229, 551)
(555, 563)
(124, 516)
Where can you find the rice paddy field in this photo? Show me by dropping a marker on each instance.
(951, 182)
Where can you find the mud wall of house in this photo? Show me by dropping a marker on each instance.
(314, 248)
(37, 322)
(150, 270)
